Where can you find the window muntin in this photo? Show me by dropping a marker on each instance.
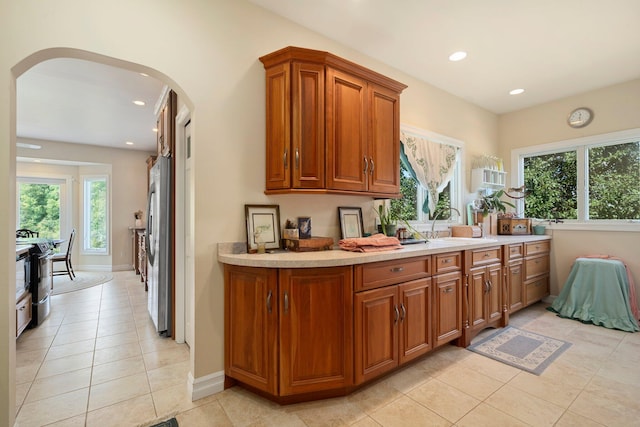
(605, 186)
(95, 214)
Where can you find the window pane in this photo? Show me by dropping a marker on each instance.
(39, 208)
(614, 181)
(96, 214)
(551, 182)
(406, 208)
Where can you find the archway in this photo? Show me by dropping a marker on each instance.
(47, 54)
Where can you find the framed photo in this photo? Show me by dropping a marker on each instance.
(263, 226)
(350, 222)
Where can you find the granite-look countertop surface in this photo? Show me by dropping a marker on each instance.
(236, 253)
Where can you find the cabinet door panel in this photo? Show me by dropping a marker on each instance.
(383, 136)
(376, 343)
(307, 155)
(415, 319)
(478, 316)
(251, 326)
(315, 329)
(346, 132)
(515, 277)
(494, 297)
(278, 174)
(448, 315)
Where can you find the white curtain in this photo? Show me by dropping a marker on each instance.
(433, 164)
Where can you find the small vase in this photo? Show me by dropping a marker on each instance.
(390, 230)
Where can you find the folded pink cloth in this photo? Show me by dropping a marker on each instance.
(375, 243)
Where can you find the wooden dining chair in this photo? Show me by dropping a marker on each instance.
(26, 233)
(66, 258)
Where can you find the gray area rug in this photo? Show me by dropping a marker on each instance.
(168, 423)
(83, 280)
(522, 349)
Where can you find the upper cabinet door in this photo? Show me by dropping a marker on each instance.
(278, 174)
(347, 160)
(384, 140)
(307, 149)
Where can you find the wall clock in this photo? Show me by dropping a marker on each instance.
(580, 117)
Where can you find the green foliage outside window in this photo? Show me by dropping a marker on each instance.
(614, 183)
(98, 214)
(406, 208)
(39, 208)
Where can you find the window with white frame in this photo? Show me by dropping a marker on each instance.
(414, 206)
(95, 214)
(594, 178)
(41, 204)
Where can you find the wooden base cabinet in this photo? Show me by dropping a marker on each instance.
(289, 331)
(484, 290)
(392, 327)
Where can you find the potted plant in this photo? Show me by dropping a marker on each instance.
(388, 220)
(493, 203)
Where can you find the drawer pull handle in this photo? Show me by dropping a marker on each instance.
(297, 159)
(487, 254)
(284, 159)
(446, 261)
(538, 284)
(404, 312)
(366, 166)
(373, 166)
(397, 269)
(447, 290)
(396, 315)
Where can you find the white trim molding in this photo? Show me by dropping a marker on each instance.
(205, 386)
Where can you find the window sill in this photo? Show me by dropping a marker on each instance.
(593, 226)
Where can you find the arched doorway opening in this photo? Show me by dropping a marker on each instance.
(184, 288)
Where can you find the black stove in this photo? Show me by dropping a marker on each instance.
(40, 277)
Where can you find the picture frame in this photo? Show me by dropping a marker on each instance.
(263, 226)
(351, 225)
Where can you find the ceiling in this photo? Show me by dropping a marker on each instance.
(550, 48)
(84, 102)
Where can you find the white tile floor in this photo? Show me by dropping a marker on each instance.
(98, 362)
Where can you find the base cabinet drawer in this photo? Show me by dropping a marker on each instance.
(536, 290)
(23, 313)
(536, 266)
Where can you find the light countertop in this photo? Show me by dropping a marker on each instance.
(235, 253)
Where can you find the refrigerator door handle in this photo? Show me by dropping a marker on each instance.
(149, 234)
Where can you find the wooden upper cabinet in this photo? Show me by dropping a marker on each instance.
(384, 145)
(279, 119)
(332, 126)
(347, 156)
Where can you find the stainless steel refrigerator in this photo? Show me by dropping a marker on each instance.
(158, 243)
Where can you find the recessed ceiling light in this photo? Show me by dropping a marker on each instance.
(36, 160)
(155, 129)
(144, 74)
(129, 143)
(516, 91)
(139, 103)
(457, 56)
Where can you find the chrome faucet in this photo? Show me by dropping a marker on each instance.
(433, 234)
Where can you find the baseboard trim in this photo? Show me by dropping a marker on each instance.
(101, 268)
(205, 386)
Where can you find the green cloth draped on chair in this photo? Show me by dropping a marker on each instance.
(598, 291)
